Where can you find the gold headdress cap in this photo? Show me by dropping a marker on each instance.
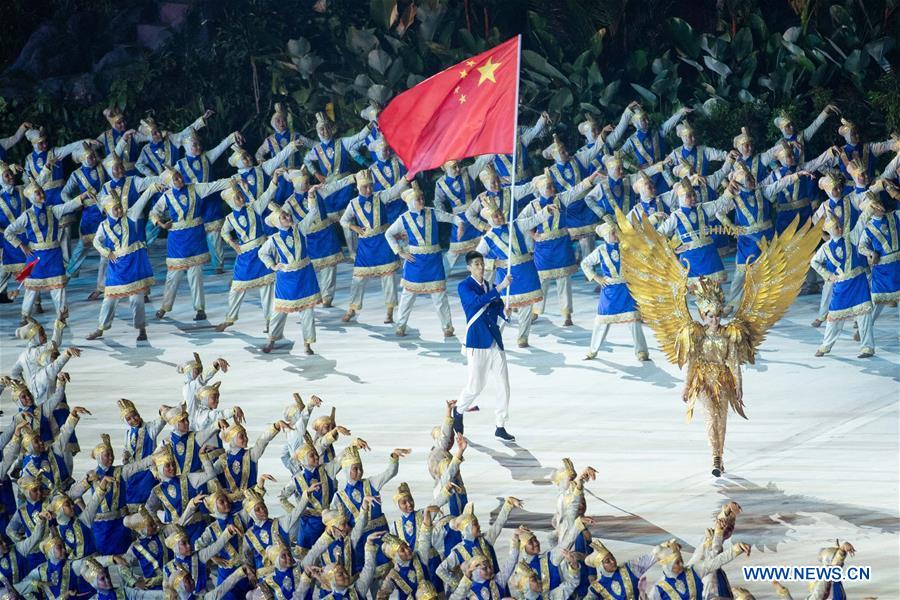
(112, 115)
(35, 135)
(363, 178)
(112, 159)
(782, 150)
(237, 155)
(555, 149)
(390, 544)
(29, 437)
(871, 200)
(28, 483)
(305, 448)
(742, 138)
(426, 591)
(163, 456)
(541, 181)
(299, 177)
(148, 125)
(564, 473)
(208, 390)
(192, 138)
(211, 500)
(280, 111)
(522, 576)
(322, 119)
(85, 151)
(682, 187)
(846, 127)
(31, 189)
(783, 120)
(328, 421)
(829, 181)
(273, 553)
(856, 168)
(176, 414)
(403, 491)
(50, 542)
(231, 433)
(449, 164)
(611, 161)
(91, 570)
(105, 444)
(168, 175)
(333, 518)
(488, 174)
(113, 198)
(350, 457)
(525, 536)
(586, 126)
(739, 593)
(179, 576)
(466, 518)
(411, 194)
(489, 207)
(598, 553)
(683, 129)
(140, 520)
(637, 115)
(293, 410)
(605, 228)
(252, 499)
(742, 174)
(668, 552)
(178, 534)
(57, 503)
(709, 297)
(642, 183)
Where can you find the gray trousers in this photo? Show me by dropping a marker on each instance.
(307, 325)
(327, 277)
(878, 310)
(825, 300)
(58, 296)
(524, 318)
(388, 289)
(352, 240)
(216, 246)
(173, 280)
(563, 293)
(438, 299)
(866, 332)
(736, 290)
(586, 245)
(135, 303)
(236, 298)
(598, 336)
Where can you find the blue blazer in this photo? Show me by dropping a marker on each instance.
(484, 330)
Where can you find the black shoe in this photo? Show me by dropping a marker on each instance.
(457, 421)
(200, 316)
(502, 434)
(4, 298)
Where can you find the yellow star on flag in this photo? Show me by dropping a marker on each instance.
(487, 71)
(463, 73)
(470, 63)
(462, 98)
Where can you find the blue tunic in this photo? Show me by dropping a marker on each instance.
(525, 288)
(616, 193)
(616, 304)
(34, 164)
(884, 239)
(753, 212)
(12, 205)
(697, 250)
(196, 169)
(459, 192)
(385, 173)
(131, 272)
(686, 585)
(850, 295)
(90, 179)
(186, 245)
(374, 257)
(323, 244)
(794, 200)
(621, 585)
(553, 255)
(249, 270)
(44, 233)
(140, 444)
(151, 554)
(648, 148)
(109, 530)
(579, 218)
(310, 526)
(426, 274)
(296, 288)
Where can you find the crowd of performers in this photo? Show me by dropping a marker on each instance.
(182, 510)
(298, 207)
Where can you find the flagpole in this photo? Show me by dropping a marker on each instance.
(515, 167)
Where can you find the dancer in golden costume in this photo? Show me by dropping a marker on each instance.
(714, 351)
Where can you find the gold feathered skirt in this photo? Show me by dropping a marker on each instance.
(713, 386)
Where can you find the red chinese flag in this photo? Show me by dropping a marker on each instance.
(466, 110)
(24, 273)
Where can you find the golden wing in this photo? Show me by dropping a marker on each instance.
(658, 282)
(772, 284)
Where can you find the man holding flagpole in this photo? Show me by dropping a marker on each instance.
(470, 109)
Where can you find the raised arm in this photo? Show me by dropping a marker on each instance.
(205, 189)
(137, 209)
(276, 161)
(497, 526)
(214, 154)
(178, 138)
(262, 442)
(530, 134)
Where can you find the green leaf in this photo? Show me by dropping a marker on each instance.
(693, 63)
(840, 17)
(717, 66)
(583, 60)
(540, 64)
(742, 44)
(856, 63)
(804, 63)
(379, 61)
(595, 77)
(383, 12)
(791, 34)
(682, 35)
(878, 50)
(745, 97)
(644, 93)
(636, 63)
(609, 92)
(361, 41)
(560, 99)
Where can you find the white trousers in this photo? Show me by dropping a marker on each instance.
(135, 303)
(866, 333)
(450, 260)
(438, 299)
(598, 336)
(388, 289)
(736, 291)
(878, 309)
(825, 300)
(586, 244)
(307, 325)
(58, 296)
(352, 240)
(327, 278)
(482, 363)
(173, 280)
(563, 294)
(101, 273)
(236, 298)
(216, 246)
(525, 318)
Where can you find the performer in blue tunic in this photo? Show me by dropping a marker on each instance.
(608, 137)
(454, 193)
(162, 148)
(525, 289)
(148, 552)
(240, 464)
(179, 210)
(698, 157)
(797, 141)
(244, 231)
(414, 528)
(526, 135)
(386, 170)
(795, 199)
(615, 581)
(839, 262)
(475, 543)
(120, 240)
(552, 574)
(617, 190)
(366, 216)
(566, 173)
(753, 207)
(120, 140)
(651, 204)
(553, 254)
(296, 286)
(757, 164)
(140, 442)
(48, 459)
(73, 524)
(616, 304)
(280, 138)
(880, 243)
(262, 530)
(12, 205)
(854, 148)
(409, 567)
(42, 231)
(323, 242)
(196, 167)
(176, 491)
(648, 146)
(680, 582)
(414, 238)
(88, 178)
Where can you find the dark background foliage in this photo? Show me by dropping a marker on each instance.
(737, 62)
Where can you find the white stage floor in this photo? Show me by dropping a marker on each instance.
(817, 460)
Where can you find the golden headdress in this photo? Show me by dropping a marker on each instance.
(390, 544)
(148, 125)
(168, 175)
(742, 174)
(426, 591)
(139, 520)
(211, 500)
(232, 431)
(555, 149)
(300, 178)
(350, 457)
(739, 593)
(233, 192)
(238, 155)
(742, 138)
(709, 296)
(846, 127)
(668, 552)
(403, 491)
(11, 167)
(57, 503)
(683, 129)
(178, 534)
(322, 119)
(466, 518)
(27, 483)
(293, 410)
(91, 570)
(51, 541)
(208, 390)
(870, 200)
(682, 187)
(638, 114)
(82, 154)
(126, 407)
(605, 228)
(522, 577)
(305, 448)
(598, 554)
(586, 126)
(642, 183)
(488, 174)
(325, 421)
(363, 177)
(525, 536)
(541, 181)
(333, 518)
(564, 473)
(489, 207)
(783, 120)
(113, 114)
(31, 189)
(611, 161)
(177, 580)
(112, 159)
(105, 444)
(192, 138)
(163, 456)
(29, 437)
(273, 553)
(449, 164)
(110, 199)
(782, 150)
(36, 135)
(831, 180)
(252, 498)
(280, 111)
(176, 414)
(411, 194)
